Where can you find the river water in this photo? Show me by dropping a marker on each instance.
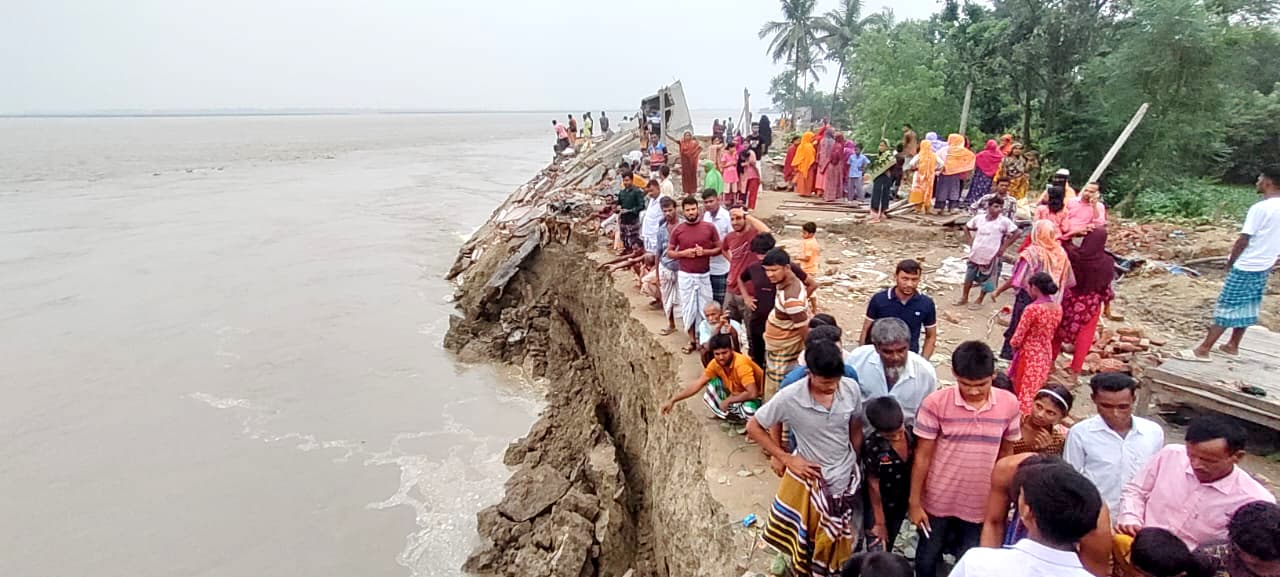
(222, 343)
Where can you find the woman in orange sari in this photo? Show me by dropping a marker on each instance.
(806, 159)
(690, 150)
(926, 167)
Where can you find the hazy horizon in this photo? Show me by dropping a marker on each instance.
(80, 58)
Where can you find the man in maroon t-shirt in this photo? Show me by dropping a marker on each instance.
(693, 243)
(737, 245)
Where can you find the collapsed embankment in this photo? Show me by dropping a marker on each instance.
(602, 485)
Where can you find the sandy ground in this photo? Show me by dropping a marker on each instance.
(857, 265)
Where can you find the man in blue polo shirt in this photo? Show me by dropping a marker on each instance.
(905, 302)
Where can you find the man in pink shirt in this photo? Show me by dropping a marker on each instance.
(961, 432)
(1192, 491)
(1085, 213)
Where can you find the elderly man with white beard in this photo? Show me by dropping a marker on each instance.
(887, 366)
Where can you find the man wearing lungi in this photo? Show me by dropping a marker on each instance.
(692, 244)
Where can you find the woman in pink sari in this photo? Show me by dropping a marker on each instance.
(828, 154)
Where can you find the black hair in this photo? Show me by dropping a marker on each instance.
(1004, 179)
(1159, 553)
(822, 319)
(720, 341)
(1002, 381)
(1065, 504)
(907, 126)
(1063, 395)
(688, 200)
(1272, 173)
(995, 201)
(1057, 198)
(1113, 383)
(666, 202)
(665, 171)
(809, 227)
(627, 172)
(973, 360)
(1205, 429)
(824, 359)
(1255, 529)
(776, 257)
(1044, 283)
(653, 183)
(908, 266)
(877, 564)
(823, 333)
(709, 193)
(553, 121)
(885, 413)
(763, 243)
(898, 148)
(629, 218)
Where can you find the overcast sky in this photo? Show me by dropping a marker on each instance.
(91, 55)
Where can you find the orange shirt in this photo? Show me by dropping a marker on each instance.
(812, 253)
(741, 370)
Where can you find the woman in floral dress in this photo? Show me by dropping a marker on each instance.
(1032, 342)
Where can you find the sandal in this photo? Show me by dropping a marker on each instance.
(689, 348)
(667, 331)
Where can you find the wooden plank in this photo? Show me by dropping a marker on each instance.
(1248, 368)
(1209, 400)
(1260, 341)
(1209, 383)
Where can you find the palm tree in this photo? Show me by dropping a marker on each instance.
(794, 40)
(838, 33)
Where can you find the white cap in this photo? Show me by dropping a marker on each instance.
(1063, 172)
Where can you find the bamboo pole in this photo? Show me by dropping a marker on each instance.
(1115, 148)
(964, 112)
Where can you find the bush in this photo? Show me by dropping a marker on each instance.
(1191, 199)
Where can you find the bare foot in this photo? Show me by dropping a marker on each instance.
(975, 307)
(1228, 349)
(960, 303)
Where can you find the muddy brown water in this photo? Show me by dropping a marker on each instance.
(222, 343)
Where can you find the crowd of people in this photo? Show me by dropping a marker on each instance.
(992, 470)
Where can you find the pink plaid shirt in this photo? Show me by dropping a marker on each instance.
(1167, 494)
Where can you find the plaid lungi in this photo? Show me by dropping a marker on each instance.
(1241, 298)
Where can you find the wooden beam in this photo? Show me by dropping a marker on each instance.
(964, 112)
(1115, 147)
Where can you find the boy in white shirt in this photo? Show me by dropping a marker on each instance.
(989, 235)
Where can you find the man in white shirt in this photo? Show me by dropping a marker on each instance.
(1058, 506)
(718, 215)
(887, 366)
(1112, 446)
(650, 220)
(664, 181)
(1252, 257)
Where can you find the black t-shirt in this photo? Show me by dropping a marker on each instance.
(881, 461)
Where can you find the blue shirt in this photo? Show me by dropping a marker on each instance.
(918, 312)
(857, 164)
(801, 371)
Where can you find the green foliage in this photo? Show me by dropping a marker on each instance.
(1194, 199)
(1065, 77)
(794, 39)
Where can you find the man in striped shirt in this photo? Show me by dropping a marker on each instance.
(962, 431)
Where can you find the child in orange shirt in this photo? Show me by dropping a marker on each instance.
(810, 256)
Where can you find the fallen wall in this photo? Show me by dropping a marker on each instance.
(602, 485)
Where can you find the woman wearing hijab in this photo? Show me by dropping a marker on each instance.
(1094, 270)
(1043, 254)
(766, 135)
(1006, 144)
(987, 164)
(957, 165)
(836, 173)
(931, 139)
(788, 169)
(690, 150)
(826, 146)
(1014, 166)
(925, 165)
(712, 179)
(805, 163)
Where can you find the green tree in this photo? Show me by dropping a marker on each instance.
(794, 40)
(838, 33)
